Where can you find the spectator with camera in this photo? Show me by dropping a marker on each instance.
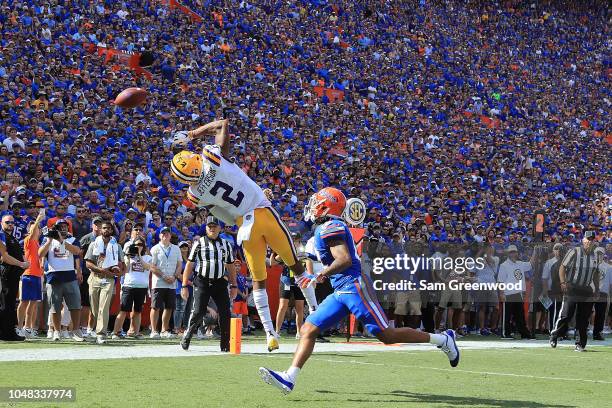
(137, 231)
(63, 276)
(105, 260)
(134, 287)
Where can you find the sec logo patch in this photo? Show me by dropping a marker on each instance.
(355, 211)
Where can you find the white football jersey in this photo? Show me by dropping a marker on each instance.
(224, 185)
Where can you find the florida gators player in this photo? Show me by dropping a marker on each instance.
(353, 292)
(220, 185)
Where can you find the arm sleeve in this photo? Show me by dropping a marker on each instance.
(332, 232)
(194, 250)
(154, 255)
(212, 154)
(89, 256)
(229, 257)
(569, 258)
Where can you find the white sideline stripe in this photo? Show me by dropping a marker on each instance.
(454, 370)
(94, 352)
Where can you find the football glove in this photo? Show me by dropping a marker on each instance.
(305, 280)
(180, 138)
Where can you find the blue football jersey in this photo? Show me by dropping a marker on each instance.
(20, 229)
(331, 231)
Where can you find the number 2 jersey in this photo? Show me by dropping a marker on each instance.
(225, 186)
(334, 230)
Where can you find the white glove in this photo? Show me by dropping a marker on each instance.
(180, 138)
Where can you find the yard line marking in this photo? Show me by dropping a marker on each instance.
(459, 370)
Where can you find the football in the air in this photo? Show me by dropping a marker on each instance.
(131, 97)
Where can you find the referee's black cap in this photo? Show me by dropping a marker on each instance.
(212, 220)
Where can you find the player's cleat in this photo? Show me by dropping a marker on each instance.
(279, 380)
(272, 341)
(553, 342)
(579, 348)
(186, 340)
(450, 347)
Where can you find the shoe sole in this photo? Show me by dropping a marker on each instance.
(268, 379)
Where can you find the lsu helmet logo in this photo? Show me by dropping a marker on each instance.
(355, 211)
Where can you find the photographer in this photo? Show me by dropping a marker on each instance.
(134, 287)
(63, 277)
(104, 259)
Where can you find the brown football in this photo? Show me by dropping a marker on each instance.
(131, 97)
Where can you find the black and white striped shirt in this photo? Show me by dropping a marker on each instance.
(210, 257)
(580, 266)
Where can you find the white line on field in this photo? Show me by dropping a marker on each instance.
(453, 370)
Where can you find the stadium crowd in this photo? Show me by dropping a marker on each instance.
(455, 122)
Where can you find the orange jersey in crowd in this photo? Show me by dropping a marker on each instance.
(31, 255)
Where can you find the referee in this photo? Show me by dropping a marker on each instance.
(577, 271)
(212, 255)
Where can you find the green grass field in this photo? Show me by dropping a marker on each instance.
(539, 377)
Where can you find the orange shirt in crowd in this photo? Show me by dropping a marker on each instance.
(31, 255)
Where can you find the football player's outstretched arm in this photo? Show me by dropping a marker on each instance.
(217, 128)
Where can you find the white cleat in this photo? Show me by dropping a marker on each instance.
(56, 335)
(450, 348)
(272, 337)
(279, 380)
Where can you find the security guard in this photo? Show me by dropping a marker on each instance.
(212, 255)
(11, 268)
(578, 270)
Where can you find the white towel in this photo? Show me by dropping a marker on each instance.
(244, 232)
(110, 251)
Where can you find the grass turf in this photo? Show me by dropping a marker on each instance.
(485, 378)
